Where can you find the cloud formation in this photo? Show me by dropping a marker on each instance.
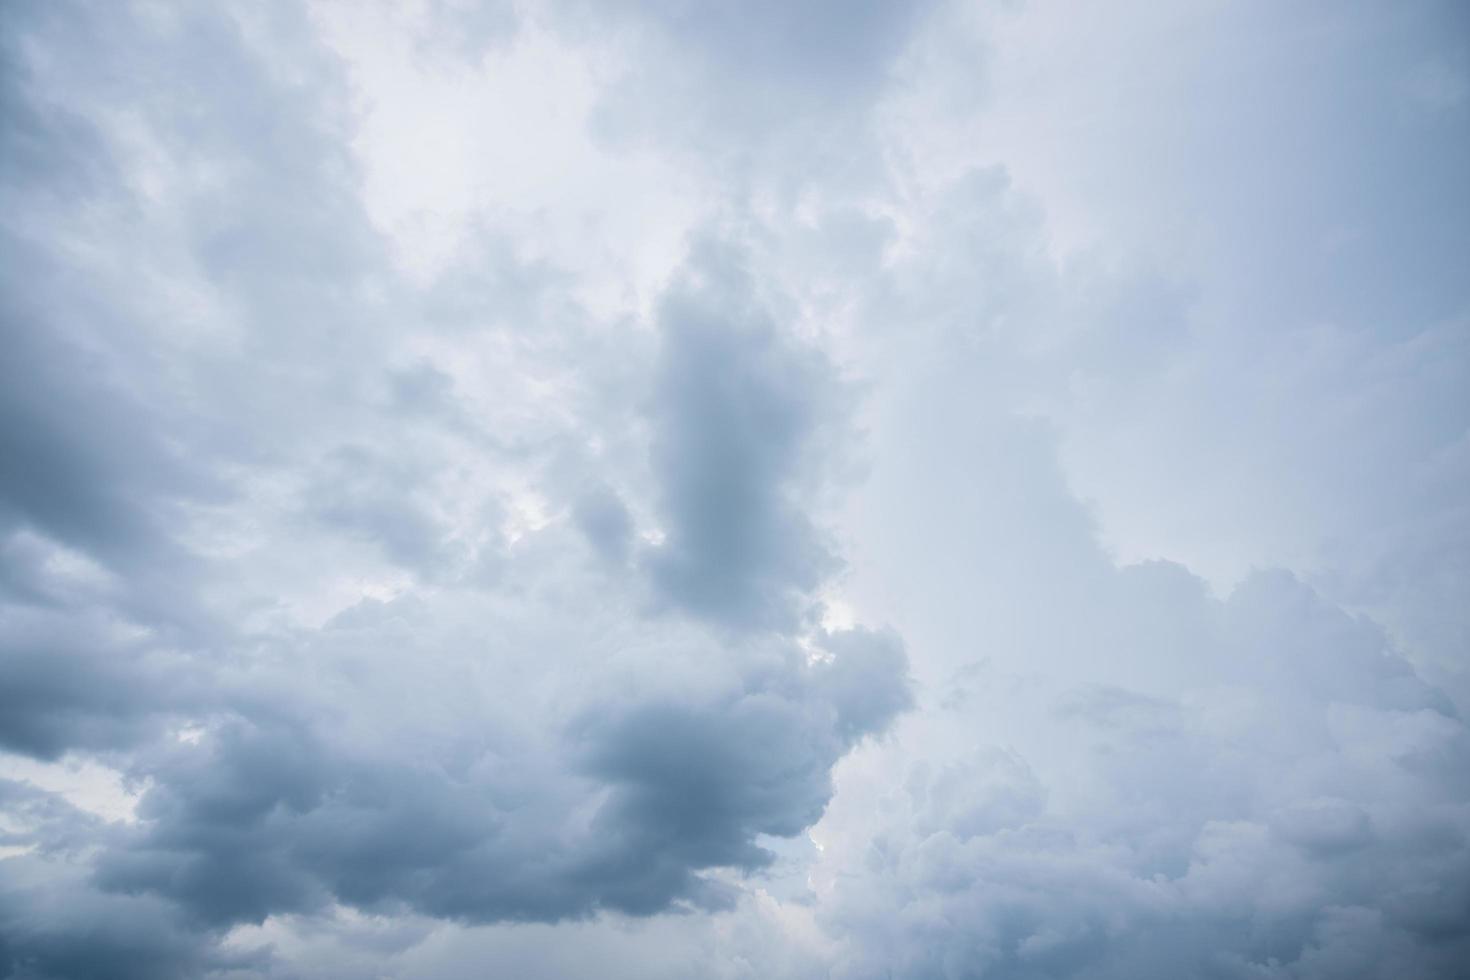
(843, 490)
(741, 417)
(1296, 809)
(289, 764)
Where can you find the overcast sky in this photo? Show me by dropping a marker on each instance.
(841, 489)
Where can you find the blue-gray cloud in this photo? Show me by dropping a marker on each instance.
(424, 617)
(741, 420)
(272, 782)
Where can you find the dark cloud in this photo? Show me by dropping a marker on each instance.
(68, 681)
(54, 926)
(111, 432)
(857, 678)
(265, 817)
(85, 464)
(533, 749)
(604, 519)
(741, 418)
(695, 785)
(113, 439)
(54, 923)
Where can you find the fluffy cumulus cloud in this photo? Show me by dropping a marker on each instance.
(1287, 802)
(803, 490)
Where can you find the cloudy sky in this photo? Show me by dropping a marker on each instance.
(666, 489)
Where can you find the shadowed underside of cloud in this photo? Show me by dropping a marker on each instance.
(741, 416)
(68, 683)
(265, 817)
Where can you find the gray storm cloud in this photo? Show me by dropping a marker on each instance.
(604, 763)
(811, 490)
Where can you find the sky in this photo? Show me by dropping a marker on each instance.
(653, 489)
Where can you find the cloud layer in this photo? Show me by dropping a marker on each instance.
(841, 490)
